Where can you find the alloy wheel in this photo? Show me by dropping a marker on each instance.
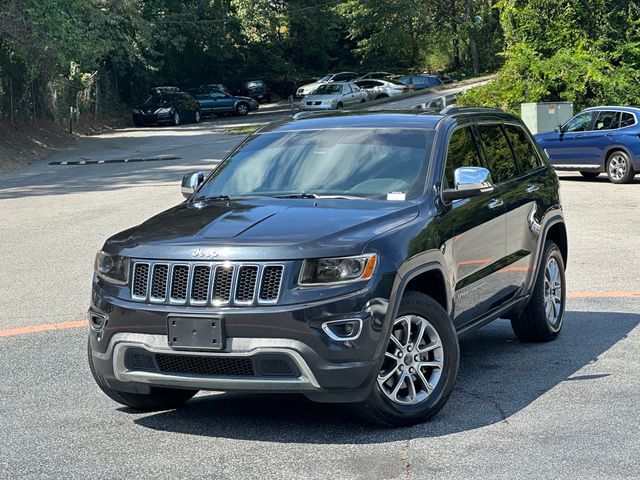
(242, 109)
(553, 293)
(618, 167)
(413, 361)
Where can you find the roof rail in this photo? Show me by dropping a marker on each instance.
(451, 110)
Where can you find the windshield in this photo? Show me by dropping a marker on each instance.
(158, 100)
(328, 89)
(326, 78)
(367, 163)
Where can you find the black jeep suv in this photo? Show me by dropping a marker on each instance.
(339, 257)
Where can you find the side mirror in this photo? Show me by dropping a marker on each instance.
(559, 129)
(469, 182)
(191, 182)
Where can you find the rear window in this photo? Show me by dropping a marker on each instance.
(627, 120)
(525, 152)
(497, 152)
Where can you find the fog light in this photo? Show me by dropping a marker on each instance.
(343, 330)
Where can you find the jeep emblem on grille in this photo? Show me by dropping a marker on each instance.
(204, 253)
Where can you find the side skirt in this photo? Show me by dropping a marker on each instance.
(513, 305)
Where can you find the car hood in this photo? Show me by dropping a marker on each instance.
(262, 228)
(311, 86)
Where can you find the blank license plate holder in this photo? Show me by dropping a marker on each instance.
(188, 332)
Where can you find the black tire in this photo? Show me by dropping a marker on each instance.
(339, 105)
(242, 109)
(268, 98)
(586, 174)
(363, 100)
(158, 399)
(379, 408)
(381, 96)
(532, 325)
(175, 120)
(619, 167)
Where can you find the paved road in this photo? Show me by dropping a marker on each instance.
(408, 103)
(568, 409)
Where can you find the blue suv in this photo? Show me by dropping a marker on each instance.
(598, 139)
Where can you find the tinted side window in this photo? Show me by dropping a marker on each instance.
(525, 152)
(462, 152)
(497, 152)
(607, 121)
(579, 123)
(627, 120)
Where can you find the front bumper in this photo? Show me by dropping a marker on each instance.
(312, 108)
(152, 118)
(319, 367)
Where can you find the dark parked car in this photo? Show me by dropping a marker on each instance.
(420, 82)
(168, 107)
(215, 102)
(255, 89)
(339, 257)
(215, 86)
(599, 139)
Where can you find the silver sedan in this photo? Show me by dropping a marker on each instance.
(377, 89)
(333, 96)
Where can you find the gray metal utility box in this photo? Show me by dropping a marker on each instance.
(545, 116)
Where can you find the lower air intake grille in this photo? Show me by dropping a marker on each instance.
(193, 365)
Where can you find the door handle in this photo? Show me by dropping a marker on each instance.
(495, 203)
(532, 188)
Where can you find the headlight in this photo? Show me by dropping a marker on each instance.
(162, 110)
(324, 271)
(112, 268)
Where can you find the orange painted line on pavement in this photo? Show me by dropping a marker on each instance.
(42, 328)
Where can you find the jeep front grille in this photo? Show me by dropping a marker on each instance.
(190, 283)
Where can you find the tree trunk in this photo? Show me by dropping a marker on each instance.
(473, 47)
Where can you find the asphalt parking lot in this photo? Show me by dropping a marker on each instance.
(568, 409)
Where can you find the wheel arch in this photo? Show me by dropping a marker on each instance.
(556, 231)
(610, 151)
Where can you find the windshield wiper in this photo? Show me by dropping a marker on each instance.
(213, 197)
(314, 195)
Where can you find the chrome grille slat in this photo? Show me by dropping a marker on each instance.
(223, 284)
(245, 291)
(180, 276)
(159, 282)
(206, 283)
(200, 280)
(140, 282)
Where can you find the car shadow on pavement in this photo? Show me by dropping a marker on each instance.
(499, 376)
(600, 179)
